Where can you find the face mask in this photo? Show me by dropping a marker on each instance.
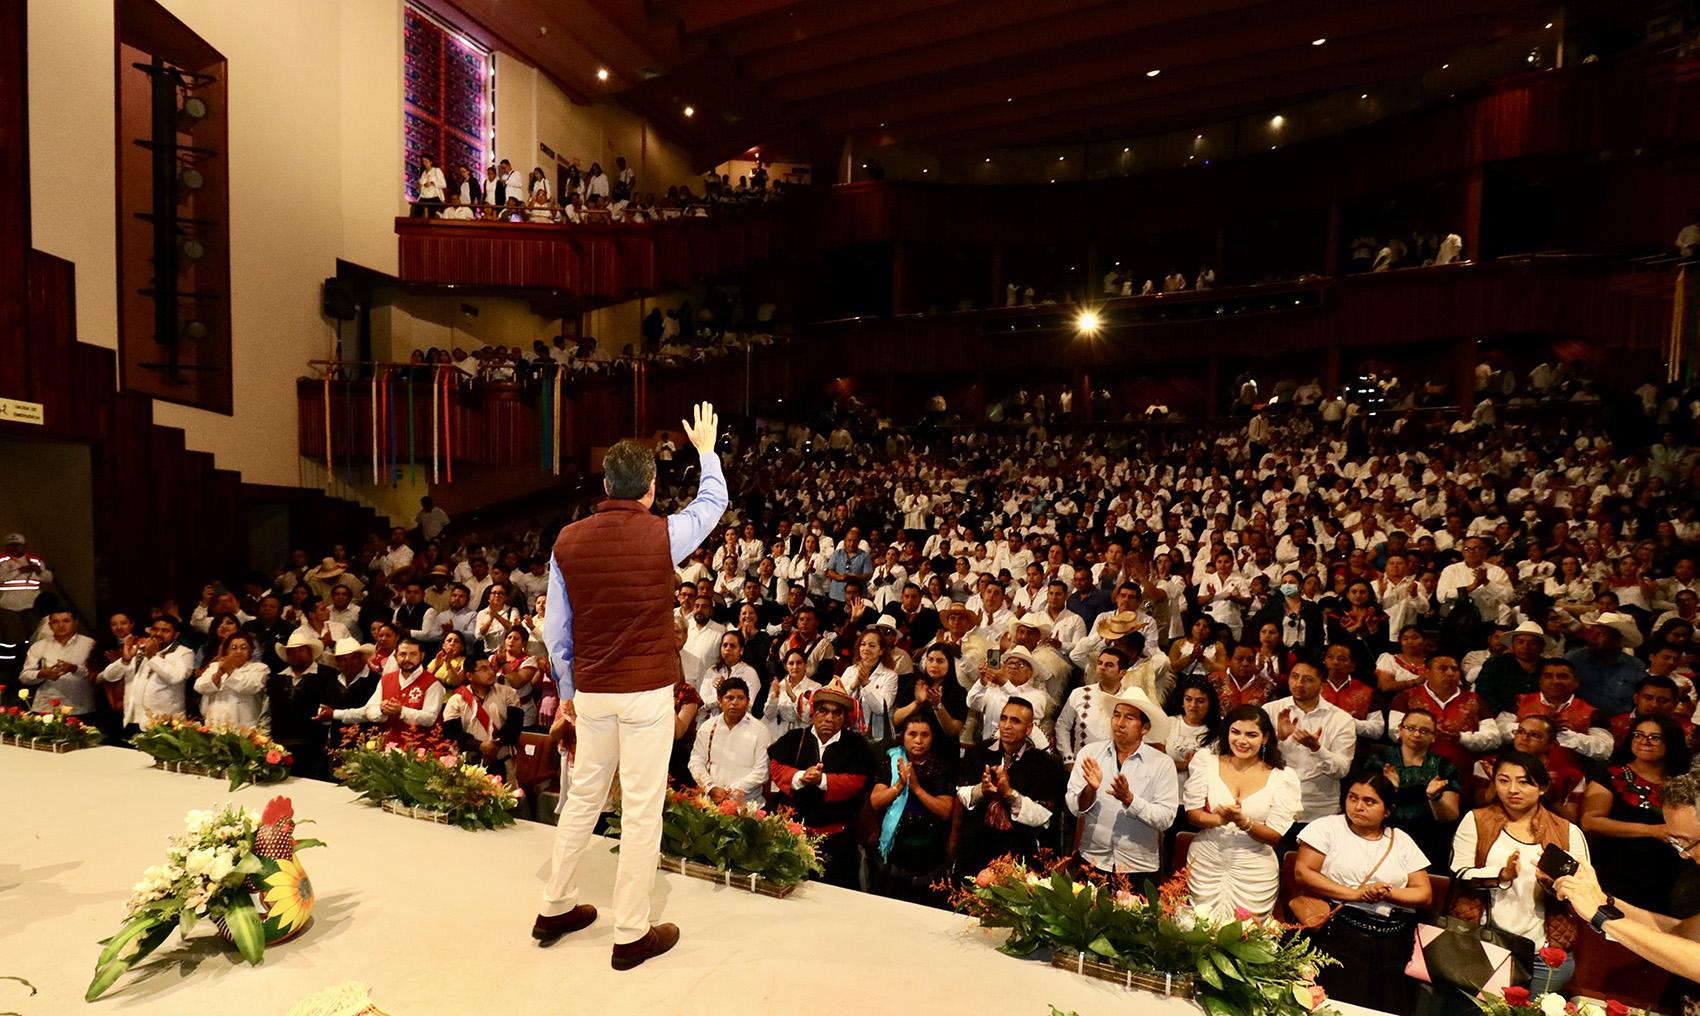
(1288, 589)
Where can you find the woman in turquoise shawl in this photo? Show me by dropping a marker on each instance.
(913, 794)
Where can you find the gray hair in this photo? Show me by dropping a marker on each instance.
(1681, 791)
(628, 469)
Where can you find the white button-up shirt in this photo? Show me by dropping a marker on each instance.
(72, 688)
(153, 686)
(732, 758)
(1319, 771)
(1125, 837)
(239, 700)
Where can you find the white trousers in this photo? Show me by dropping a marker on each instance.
(632, 732)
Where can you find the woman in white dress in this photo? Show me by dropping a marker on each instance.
(788, 701)
(730, 664)
(1243, 799)
(233, 686)
(1195, 720)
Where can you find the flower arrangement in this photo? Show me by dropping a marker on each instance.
(232, 865)
(427, 772)
(1516, 1001)
(243, 754)
(1239, 967)
(55, 727)
(737, 837)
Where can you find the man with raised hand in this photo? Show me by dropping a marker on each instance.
(609, 631)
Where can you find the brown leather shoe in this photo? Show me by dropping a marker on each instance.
(659, 939)
(548, 930)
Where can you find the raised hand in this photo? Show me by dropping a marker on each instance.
(1285, 725)
(1509, 872)
(701, 431)
(1093, 775)
(1435, 786)
(1391, 771)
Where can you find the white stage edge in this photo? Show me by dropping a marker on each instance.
(437, 920)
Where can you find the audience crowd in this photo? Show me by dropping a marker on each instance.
(1397, 645)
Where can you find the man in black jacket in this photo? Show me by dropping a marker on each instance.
(825, 772)
(1010, 790)
(295, 692)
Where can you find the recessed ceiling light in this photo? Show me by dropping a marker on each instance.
(1549, 24)
(988, 158)
(1317, 42)
(1445, 66)
(1364, 96)
(1010, 99)
(690, 111)
(1061, 158)
(602, 74)
(1126, 150)
(1277, 121)
(1198, 137)
(882, 123)
(864, 165)
(923, 170)
(1153, 72)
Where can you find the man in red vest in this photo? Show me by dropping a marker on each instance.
(609, 629)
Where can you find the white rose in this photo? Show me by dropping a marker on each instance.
(1552, 1004)
(1185, 920)
(1590, 1009)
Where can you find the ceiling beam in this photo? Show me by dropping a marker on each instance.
(1172, 49)
(703, 15)
(823, 19)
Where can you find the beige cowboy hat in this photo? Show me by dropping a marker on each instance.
(957, 608)
(1623, 624)
(303, 638)
(1529, 628)
(1113, 626)
(1035, 619)
(1156, 721)
(348, 647)
(327, 569)
(1022, 653)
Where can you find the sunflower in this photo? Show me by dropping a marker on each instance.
(289, 898)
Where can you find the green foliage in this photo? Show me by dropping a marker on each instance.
(466, 795)
(1241, 968)
(740, 839)
(243, 755)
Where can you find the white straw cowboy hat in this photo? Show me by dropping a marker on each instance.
(1623, 624)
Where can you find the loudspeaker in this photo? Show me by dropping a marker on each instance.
(339, 299)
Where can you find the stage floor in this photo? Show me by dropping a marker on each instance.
(437, 921)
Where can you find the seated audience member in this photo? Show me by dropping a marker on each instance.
(233, 687)
(1299, 624)
(294, 694)
(1009, 789)
(824, 773)
(1581, 728)
(1655, 695)
(1317, 740)
(483, 717)
(729, 760)
(407, 698)
(1085, 714)
(1509, 676)
(913, 793)
(1407, 666)
(729, 664)
(458, 616)
(1201, 653)
(57, 668)
(1606, 674)
(1195, 719)
(450, 664)
(1241, 684)
(352, 686)
(1537, 735)
(1012, 678)
(934, 694)
(1124, 791)
(687, 709)
(872, 683)
(1427, 787)
(495, 621)
(156, 678)
(1463, 728)
(1621, 813)
(961, 631)
(518, 669)
(787, 705)
(1376, 874)
(1495, 854)
(1350, 695)
(1242, 799)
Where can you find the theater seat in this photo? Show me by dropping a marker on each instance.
(1289, 886)
(1607, 970)
(1182, 847)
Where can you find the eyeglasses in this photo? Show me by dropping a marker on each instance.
(1426, 731)
(1645, 738)
(1681, 846)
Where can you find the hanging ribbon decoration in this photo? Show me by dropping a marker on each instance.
(374, 426)
(412, 464)
(391, 379)
(543, 391)
(448, 430)
(436, 376)
(330, 463)
(555, 406)
(350, 466)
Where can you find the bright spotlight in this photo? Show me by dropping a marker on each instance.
(1087, 323)
(690, 111)
(602, 74)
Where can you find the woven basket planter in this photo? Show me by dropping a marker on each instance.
(709, 873)
(1170, 985)
(422, 814)
(38, 744)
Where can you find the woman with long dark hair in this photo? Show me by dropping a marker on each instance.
(914, 794)
(1621, 813)
(1376, 874)
(1243, 799)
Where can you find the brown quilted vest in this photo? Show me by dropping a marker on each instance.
(618, 570)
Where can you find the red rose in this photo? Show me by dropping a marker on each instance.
(72, 721)
(1553, 957)
(273, 757)
(1515, 995)
(54, 703)
(1616, 1008)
